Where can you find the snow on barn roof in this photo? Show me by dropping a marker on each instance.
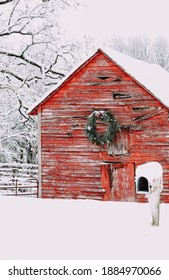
(152, 76)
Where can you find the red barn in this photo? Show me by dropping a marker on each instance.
(104, 120)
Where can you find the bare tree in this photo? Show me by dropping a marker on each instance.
(141, 47)
(118, 44)
(3, 2)
(33, 56)
(161, 52)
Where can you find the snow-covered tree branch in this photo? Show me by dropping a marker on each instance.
(31, 60)
(3, 2)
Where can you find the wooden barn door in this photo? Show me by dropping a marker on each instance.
(118, 181)
(122, 182)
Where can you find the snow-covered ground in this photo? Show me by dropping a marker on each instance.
(79, 229)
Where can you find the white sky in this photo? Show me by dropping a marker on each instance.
(107, 18)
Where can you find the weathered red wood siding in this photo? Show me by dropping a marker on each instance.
(71, 165)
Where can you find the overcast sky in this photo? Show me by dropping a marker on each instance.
(106, 18)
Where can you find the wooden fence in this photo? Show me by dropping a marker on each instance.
(13, 170)
(18, 179)
(16, 187)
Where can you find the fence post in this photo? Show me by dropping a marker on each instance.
(37, 181)
(16, 186)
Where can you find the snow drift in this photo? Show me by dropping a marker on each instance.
(80, 229)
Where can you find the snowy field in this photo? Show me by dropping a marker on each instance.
(79, 229)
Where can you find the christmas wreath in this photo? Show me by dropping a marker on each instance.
(112, 127)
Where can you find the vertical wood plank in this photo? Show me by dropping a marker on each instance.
(123, 187)
(106, 180)
(39, 155)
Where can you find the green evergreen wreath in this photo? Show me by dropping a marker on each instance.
(107, 118)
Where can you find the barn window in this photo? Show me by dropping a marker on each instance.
(121, 143)
(142, 184)
(118, 95)
(143, 108)
(103, 77)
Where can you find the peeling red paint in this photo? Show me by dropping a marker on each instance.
(72, 167)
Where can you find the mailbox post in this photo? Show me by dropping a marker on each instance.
(149, 181)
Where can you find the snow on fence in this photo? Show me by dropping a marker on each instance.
(14, 170)
(19, 179)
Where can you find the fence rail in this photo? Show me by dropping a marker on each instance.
(15, 170)
(19, 187)
(18, 179)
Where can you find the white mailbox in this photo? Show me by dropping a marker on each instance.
(148, 176)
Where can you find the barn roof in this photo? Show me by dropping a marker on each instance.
(151, 76)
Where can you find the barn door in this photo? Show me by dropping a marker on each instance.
(118, 181)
